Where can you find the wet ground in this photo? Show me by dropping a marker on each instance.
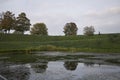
(60, 66)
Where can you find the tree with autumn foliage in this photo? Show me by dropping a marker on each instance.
(7, 21)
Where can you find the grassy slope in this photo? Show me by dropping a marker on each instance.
(97, 43)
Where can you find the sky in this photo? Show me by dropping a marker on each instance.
(104, 15)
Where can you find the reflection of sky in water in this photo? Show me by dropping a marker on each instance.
(61, 66)
(57, 71)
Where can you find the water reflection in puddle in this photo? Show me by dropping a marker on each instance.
(60, 66)
(59, 70)
(72, 71)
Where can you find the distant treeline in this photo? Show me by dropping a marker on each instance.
(21, 24)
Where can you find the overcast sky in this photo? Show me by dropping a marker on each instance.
(104, 15)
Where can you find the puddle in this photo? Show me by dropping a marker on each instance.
(60, 66)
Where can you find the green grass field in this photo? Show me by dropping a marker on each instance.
(97, 43)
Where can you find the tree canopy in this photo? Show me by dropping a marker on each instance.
(22, 23)
(7, 21)
(89, 30)
(70, 29)
(39, 29)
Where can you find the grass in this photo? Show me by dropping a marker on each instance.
(26, 43)
(113, 61)
(18, 57)
(29, 58)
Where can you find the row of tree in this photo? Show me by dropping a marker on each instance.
(20, 24)
(8, 22)
(71, 29)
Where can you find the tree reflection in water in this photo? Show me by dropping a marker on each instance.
(39, 67)
(70, 65)
(18, 72)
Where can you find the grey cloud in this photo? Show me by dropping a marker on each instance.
(109, 15)
(108, 28)
(107, 12)
(3, 1)
(114, 10)
(106, 21)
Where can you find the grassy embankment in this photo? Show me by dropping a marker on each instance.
(98, 43)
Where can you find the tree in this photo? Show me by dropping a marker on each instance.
(89, 31)
(22, 23)
(70, 29)
(1, 17)
(7, 21)
(39, 67)
(39, 29)
(70, 65)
